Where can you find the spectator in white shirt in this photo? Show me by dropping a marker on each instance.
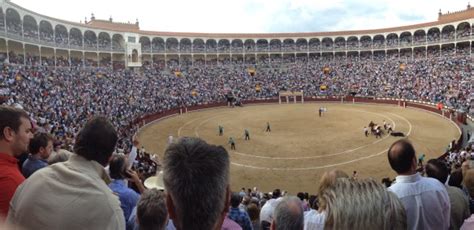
(425, 200)
(266, 213)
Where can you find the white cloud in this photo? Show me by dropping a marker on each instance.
(250, 16)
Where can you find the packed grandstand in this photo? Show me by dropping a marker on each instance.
(66, 73)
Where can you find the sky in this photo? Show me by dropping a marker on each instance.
(250, 16)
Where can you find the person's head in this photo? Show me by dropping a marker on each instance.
(96, 141)
(276, 193)
(313, 202)
(402, 157)
(151, 210)
(196, 178)
(437, 169)
(41, 145)
(387, 182)
(253, 211)
(235, 200)
(16, 130)
(456, 178)
(327, 180)
(362, 204)
(288, 214)
(300, 195)
(469, 181)
(118, 167)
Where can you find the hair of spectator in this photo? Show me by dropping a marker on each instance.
(117, 167)
(400, 156)
(288, 214)
(327, 180)
(253, 211)
(40, 139)
(235, 200)
(96, 141)
(276, 193)
(456, 178)
(362, 204)
(313, 202)
(10, 117)
(151, 210)
(437, 169)
(300, 195)
(469, 181)
(196, 177)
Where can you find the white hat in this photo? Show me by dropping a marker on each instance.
(155, 181)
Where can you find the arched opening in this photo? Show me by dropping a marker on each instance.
(392, 40)
(340, 43)
(275, 45)
(30, 28)
(223, 46)
(13, 22)
(60, 35)
(288, 44)
(237, 46)
(75, 38)
(405, 39)
(379, 41)
(327, 44)
(146, 44)
(463, 30)
(262, 45)
(158, 46)
(118, 43)
(199, 46)
(249, 46)
(46, 32)
(365, 42)
(419, 37)
(185, 45)
(448, 32)
(90, 39)
(434, 35)
(302, 44)
(211, 46)
(104, 41)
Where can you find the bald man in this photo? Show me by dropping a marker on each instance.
(288, 214)
(426, 200)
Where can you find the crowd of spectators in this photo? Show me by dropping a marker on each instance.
(62, 98)
(197, 195)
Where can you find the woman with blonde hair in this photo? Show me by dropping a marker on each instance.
(362, 204)
(314, 219)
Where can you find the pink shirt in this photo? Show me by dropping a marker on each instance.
(230, 224)
(468, 223)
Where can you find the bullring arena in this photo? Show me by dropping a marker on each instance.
(302, 145)
(89, 108)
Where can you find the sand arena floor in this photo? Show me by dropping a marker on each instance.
(301, 145)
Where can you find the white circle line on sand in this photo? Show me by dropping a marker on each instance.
(310, 168)
(328, 165)
(196, 133)
(321, 156)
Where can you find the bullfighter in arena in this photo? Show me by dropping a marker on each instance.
(221, 130)
(268, 127)
(232, 143)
